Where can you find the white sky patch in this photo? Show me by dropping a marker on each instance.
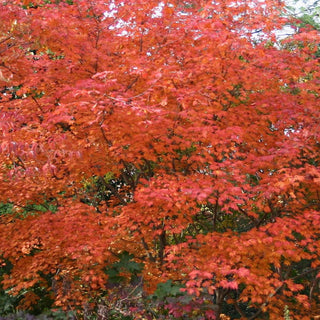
(120, 23)
(112, 10)
(301, 4)
(296, 8)
(157, 11)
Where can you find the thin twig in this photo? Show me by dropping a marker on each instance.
(113, 190)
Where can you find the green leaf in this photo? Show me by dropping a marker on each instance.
(167, 289)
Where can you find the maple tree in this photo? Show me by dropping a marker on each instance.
(172, 145)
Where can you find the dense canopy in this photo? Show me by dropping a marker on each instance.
(159, 158)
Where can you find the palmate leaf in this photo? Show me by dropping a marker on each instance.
(125, 264)
(167, 289)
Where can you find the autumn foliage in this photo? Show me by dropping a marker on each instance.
(171, 144)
